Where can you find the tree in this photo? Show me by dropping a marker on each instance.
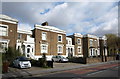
(113, 43)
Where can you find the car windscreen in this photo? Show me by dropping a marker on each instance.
(61, 57)
(23, 59)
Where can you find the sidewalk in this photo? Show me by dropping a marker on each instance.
(35, 71)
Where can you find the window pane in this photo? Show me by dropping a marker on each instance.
(79, 41)
(91, 42)
(44, 48)
(28, 50)
(19, 36)
(60, 49)
(3, 31)
(3, 45)
(59, 38)
(44, 36)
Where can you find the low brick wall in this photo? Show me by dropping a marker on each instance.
(93, 60)
(90, 60)
(78, 60)
(111, 58)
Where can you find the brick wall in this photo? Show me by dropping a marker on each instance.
(12, 34)
(93, 60)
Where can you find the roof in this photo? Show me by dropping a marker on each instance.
(24, 31)
(78, 35)
(7, 18)
(50, 28)
(91, 36)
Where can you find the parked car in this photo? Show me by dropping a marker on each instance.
(22, 62)
(59, 58)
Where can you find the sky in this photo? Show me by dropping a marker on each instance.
(97, 18)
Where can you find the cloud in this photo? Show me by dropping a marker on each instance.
(83, 17)
(108, 23)
(24, 27)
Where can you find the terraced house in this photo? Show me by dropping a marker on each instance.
(91, 46)
(70, 50)
(103, 48)
(49, 40)
(25, 43)
(8, 32)
(77, 41)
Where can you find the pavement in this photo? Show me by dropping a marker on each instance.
(38, 71)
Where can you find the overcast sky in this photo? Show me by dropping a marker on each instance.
(96, 18)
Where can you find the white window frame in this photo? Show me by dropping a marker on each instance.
(61, 38)
(44, 50)
(98, 42)
(90, 42)
(2, 47)
(61, 51)
(44, 38)
(6, 26)
(79, 52)
(79, 42)
(19, 36)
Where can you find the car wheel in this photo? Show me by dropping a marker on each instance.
(19, 66)
(52, 60)
(13, 65)
(60, 61)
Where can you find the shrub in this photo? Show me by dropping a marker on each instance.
(34, 62)
(81, 60)
(10, 54)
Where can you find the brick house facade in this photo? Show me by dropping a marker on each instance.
(91, 46)
(49, 40)
(8, 31)
(78, 44)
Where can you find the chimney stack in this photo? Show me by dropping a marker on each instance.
(45, 24)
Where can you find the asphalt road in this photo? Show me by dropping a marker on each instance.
(108, 71)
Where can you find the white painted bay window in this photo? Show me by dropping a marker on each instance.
(3, 45)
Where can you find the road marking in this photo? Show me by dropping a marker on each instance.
(95, 72)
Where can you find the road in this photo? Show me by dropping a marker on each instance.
(109, 71)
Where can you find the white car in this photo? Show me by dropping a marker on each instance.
(21, 62)
(59, 58)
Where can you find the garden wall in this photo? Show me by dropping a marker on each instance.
(93, 60)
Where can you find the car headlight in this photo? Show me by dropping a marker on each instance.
(21, 63)
(65, 59)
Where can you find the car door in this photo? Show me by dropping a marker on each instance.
(57, 58)
(16, 62)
